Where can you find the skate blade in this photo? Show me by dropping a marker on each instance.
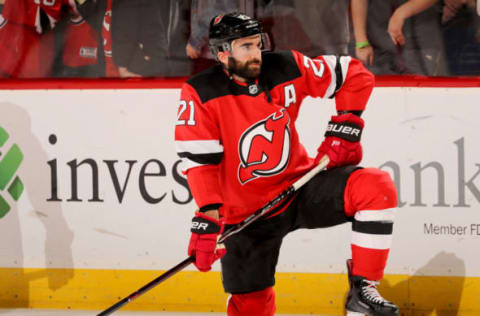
(349, 313)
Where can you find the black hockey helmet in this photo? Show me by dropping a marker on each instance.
(225, 28)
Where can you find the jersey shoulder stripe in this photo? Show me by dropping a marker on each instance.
(277, 68)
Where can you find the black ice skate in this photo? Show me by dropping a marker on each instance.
(364, 299)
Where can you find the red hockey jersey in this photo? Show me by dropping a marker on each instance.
(27, 12)
(80, 44)
(24, 52)
(238, 142)
(111, 69)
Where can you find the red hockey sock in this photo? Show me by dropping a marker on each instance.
(370, 197)
(259, 303)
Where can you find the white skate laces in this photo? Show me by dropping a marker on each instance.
(370, 292)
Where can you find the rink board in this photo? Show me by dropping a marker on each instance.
(296, 292)
(93, 186)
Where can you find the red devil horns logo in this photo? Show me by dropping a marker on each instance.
(264, 148)
(218, 18)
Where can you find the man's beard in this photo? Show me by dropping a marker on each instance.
(244, 71)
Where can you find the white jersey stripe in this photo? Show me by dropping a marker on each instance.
(371, 241)
(199, 146)
(386, 215)
(189, 164)
(344, 63)
(331, 61)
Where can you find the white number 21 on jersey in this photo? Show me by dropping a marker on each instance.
(191, 115)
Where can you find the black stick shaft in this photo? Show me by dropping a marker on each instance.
(148, 286)
(259, 213)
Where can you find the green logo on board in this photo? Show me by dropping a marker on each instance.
(10, 160)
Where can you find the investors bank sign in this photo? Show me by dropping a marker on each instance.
(105, 161)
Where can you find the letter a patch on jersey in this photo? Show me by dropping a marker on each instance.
(264, 148)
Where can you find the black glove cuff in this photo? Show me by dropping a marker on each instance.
(345, 130)
(357, 113)
(204, 226)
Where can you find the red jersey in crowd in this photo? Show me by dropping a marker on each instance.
(27, 12)
(25, 53)
(110, 69)
(81, 45)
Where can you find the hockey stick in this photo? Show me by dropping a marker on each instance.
(287, 192)
(148, 286)
(233, 230)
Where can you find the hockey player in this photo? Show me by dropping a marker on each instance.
(235, 131)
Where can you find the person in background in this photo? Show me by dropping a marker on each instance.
(200, 13)
(399, 37)
(283, 25)
(26, 43)
(461, 32)
(149, 38)
(77, 53)
(315, 27)
(326, 24)
(98, 14)
(235, 132)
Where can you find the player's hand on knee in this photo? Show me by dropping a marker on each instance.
(342, 141)
(203, 242)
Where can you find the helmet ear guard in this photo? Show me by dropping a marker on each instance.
(220, 47)
(266, 43)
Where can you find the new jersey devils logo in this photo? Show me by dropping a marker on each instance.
(264, 148)
(218, 18)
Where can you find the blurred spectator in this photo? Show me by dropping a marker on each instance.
(326, 24)
(98, 14)
(78, 49)
(461, 30)
(314, 27)
(399, 36)
(149, 37)
(26, 45)
(280, 21)
(201, 12)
